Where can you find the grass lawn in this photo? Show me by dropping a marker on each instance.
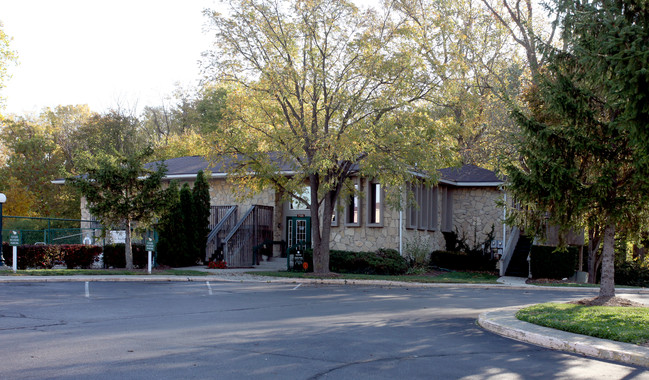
(446, 277)
(98, 272)
(623, 324)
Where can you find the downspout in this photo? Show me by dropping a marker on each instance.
(505, 226)
(400, 232)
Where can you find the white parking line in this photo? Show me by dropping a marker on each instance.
(298, 285)
(209, 287)
(87, 290)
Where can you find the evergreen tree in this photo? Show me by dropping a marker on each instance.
(188, 234)
(201, 196)
(585, 157)
(169, 226)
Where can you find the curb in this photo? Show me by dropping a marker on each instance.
(504, 322)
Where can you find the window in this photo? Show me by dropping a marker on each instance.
(432, 217)
(352, 209)
(447, 210)
(423, 213)
(375, 204)
(297, 204)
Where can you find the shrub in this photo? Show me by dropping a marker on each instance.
(549, 262)
(32, 256)
(383, 261)
(114, 256)
(458, 260)
(79, 255)
(632, 273)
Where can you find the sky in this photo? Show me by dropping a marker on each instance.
(130, 53)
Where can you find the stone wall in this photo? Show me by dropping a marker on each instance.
(475, 211)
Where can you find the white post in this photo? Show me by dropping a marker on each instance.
(15, 266)
(149, 262)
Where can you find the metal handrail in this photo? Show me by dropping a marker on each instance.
(253, 228)
(514, 234)
(212, 237)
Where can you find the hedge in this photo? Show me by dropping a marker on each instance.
(382, 262)
(46, 256)
(114, 256)
(549, 262)
(632, 273)
(32, 256)
(458, 260)
(79, 255)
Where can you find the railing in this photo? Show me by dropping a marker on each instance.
(226, 221)
(255, 227)
(217, 213)
(514, 234)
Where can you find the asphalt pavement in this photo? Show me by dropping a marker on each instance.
(500, 321)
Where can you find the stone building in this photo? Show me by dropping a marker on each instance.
(464, 201)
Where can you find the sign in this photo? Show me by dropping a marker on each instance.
(150, 245)
(14, 239)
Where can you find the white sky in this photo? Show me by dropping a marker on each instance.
(101, 53)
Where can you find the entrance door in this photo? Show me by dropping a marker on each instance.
(298, 231)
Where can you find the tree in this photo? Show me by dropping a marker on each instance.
(473, 59)
(201, 198)
(188, 233)
(34, 160)
(119, 191)
(7, 56)
(332, 92)
(584, 146)
(170, 227)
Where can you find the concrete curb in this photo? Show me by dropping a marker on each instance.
(504, 322)
(245, 277)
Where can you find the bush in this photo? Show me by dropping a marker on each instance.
(32, 256)
(632, 273)
(549, 262)
(383, 262)
(114, 256)
(79, 255)
(458, 260)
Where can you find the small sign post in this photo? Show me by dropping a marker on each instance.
(14, 241)
(150, 247)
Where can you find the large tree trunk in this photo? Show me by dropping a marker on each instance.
(594, 239)
(607, 285)
(319, 236)
(128, 252)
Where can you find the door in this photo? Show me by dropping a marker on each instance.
(298, 231)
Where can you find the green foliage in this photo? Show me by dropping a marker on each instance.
(183, 224)
(120, 190)
(551, 262)
(632, 273)
(623, 324)
(170, 228)
(114, 256)
(382, 262)
(79, 255)
(416, 252)
(584, 140)
(201, 199)
(458, 260)
(338, 93)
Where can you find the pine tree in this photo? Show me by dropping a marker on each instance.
(188, 234)
(201, 197)
(585, 157)
(168, 227)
